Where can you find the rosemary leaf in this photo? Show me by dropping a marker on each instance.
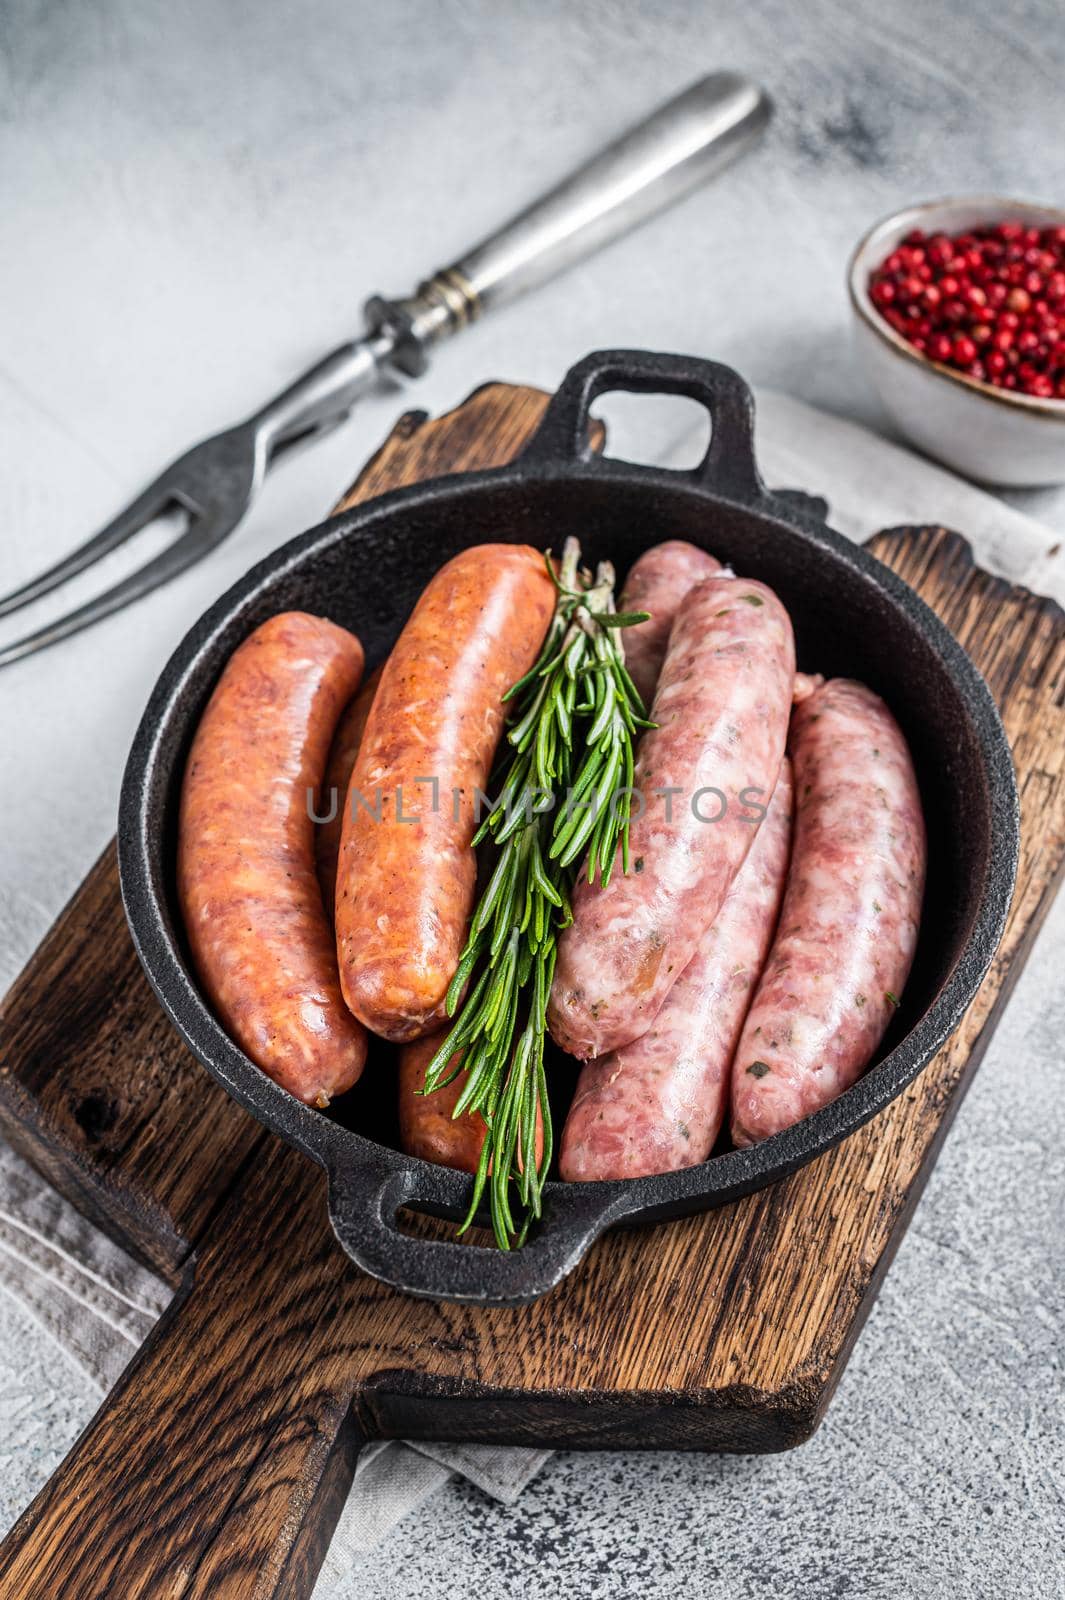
(573, 718)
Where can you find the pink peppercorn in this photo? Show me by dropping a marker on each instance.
(989, 302)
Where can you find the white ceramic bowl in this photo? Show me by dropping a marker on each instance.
(993, 435)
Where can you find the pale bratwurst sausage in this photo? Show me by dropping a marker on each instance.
(848, 926)
(657, 582)
(657, 1105)
(249, 894)
(722, 709)
(407, 871)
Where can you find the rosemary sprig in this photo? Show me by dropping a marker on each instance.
(575, 716)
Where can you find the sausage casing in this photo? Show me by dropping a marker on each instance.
(407, 872)
(338, 770)
(657, 582)
(848, 926)
(258, 933)
(722, 708)
(657, 1105)
(427, 1128)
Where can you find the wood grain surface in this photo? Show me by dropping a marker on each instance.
(218, 1464)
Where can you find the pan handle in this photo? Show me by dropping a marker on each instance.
(363, 1207)
(728, 467)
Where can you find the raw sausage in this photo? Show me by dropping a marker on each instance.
(657, 582)
(848, 926)
(406, 876)
(342, 753)
(806, 684)
(249, 894)
(656, 1105)
(722, 708)
(427, 1128)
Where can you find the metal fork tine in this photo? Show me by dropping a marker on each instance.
(201, 537)
(136, 515)
(215, 482)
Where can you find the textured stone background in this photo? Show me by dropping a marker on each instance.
(196, 199)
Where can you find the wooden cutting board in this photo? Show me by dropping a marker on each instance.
(218, 1465)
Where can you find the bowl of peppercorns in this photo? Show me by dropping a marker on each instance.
(960, 323)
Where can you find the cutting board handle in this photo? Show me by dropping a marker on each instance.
(218, 1465)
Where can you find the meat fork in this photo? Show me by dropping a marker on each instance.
(657, 162)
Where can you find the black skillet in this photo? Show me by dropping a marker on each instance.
(852, 616)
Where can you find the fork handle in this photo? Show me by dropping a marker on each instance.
(657, 162)
(323, 395)
(663, 158)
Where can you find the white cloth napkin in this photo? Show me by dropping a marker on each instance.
(870, 483)
(99, 1305)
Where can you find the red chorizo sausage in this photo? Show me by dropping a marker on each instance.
(848, 926)
(405, 887)
(249, 894)
(722, 708)
(656, 1105)
(338, 770)
(657, 582)
(427, 1126)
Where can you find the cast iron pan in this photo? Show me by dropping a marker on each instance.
(852, 616)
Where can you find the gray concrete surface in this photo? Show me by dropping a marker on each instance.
(195, 200)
